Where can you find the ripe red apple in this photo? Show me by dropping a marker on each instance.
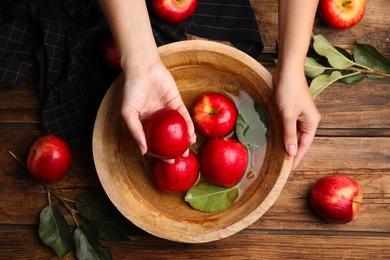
(166, 133)
(110, 53)
(223, 161)
(336, 198)
(173, 11)
(341, 14)
(49, 158)
(214, 114)
(177, 177)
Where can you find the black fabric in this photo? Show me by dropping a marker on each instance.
(62, 36)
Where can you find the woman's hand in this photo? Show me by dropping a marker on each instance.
(147, 89)
(298, 112)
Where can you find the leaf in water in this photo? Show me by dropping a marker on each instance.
(208, 197)
(313, 68)
(54, 231)
(88, 246)
(321, 82)
(109, 230)
(96, 206)
(370, 57)
(252, 125)
(335, 58)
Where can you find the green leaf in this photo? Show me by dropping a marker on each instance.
(109, 230)
(351, 79)
(370, 57)
(96, 206)
(335, 58)
(321, 82)
(208, 197)
(252, 125)
(54, 230)
(313, 68)
(88, 246)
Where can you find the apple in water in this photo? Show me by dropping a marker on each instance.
(337, 198)
(179, 176)
(223, 161)
(49, 158)
(110, 53)
(214, 114)
(173, 11)
(166, 133)
(341, 14)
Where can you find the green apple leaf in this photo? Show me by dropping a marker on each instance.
(208, 197)
(252, 125)
(88, 246)
(96, 206)
(54, 231)
(321, 82)
(313, 68)
(355, 78)
(369, 57)
(102, 216)
(335, 58)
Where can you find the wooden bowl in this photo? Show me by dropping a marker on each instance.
(197, 66)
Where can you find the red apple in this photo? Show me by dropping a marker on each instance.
(336, 198)
(341, 14)
(49, 158)
(223, 161)
(110, 53)
(177, 177)
(166, 133)
(214, 114)
(173, 11)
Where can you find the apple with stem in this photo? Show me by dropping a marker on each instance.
(223, 161)
(341, 14)
(49, 158)
(174, 11)
(179, 176)
(214, 114)
(337, 198)
(166, 133)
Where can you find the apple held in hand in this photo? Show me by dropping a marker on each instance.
(177, 177)
(214, 114)
(110, 53)
(336, 198)
(341, 14)
(173, 11)
(49, 158)
(223, 161)
(166, 133)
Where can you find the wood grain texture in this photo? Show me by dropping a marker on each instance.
(352, 139)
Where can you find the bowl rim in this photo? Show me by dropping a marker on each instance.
(185, 236)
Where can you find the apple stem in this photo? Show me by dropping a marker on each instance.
(50, 191)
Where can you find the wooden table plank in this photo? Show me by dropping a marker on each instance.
(352, 139)
(374, 28)
(243, 245)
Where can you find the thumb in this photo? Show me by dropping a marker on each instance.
(136, 130)
(290, 137)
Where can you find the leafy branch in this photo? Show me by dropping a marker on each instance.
(101, 223)
(326, 64)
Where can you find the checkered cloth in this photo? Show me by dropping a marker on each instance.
(61, 36)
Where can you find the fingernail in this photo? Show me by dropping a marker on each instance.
(292, 150)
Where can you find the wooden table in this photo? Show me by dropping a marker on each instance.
(353, 139)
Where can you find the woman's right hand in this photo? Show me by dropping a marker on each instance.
(147, 88)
